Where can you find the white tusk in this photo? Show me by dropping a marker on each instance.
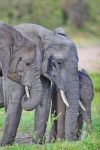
(64, 98)
(81, 105)
(27, 91)
(51, 84)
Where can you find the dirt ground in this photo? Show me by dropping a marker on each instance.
(89, 58)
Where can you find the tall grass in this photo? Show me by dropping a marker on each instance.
(90, 141)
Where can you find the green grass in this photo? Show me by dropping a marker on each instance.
(90, 141)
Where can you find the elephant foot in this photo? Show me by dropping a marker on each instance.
(38, 141)
(5, 143)
(1, 104)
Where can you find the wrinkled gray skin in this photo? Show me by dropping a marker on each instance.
(58, 107)
(55, 60)
(58, 62)
(17, 62)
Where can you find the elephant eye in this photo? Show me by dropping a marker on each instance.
(60, 62)
(27, 64)
(54, 65)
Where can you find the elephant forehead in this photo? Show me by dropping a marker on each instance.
(59, 50)
(60, 55)
(27, 55)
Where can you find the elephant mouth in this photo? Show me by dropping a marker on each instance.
(17, 78)
(64, 99)
(14, 76)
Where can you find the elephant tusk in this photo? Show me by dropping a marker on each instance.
(51, 84)
(27, 91)
(81, 105)
(64, 98)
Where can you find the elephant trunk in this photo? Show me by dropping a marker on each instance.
(72, 110)
(33, 95)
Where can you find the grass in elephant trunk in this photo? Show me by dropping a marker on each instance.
(88, 141)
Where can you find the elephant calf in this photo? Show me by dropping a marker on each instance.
(19, 67)
(58, 108)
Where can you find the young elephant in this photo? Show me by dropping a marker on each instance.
(17, 62)
(86, 97)
(59, 109)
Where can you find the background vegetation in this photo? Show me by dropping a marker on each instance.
(51, 14)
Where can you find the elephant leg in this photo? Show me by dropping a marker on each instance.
(53, 131)
(1, 94)
(79, 124)
(13, 93)
(58, 111)
(86, 97)
(84, 116)
(61, 111)
(11, 123)
(87, 117)
(42, 113)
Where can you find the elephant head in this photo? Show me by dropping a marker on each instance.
(60, 65)
(18, 62)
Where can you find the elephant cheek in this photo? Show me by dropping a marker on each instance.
(15, 77)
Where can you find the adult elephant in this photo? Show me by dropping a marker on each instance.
(17, 62)
(58, 62)
(84, 113)
(55, 60)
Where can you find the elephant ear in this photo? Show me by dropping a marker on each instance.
(5, 48)
(5, 60)
(60, 31)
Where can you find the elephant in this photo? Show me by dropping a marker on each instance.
(59, 65)
(19, 69)
(41, 58)
(84, 112)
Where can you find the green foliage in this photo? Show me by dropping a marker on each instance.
(47, 12)
(94, 10)
(14, 11)
(27, 122)
(90, 141)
